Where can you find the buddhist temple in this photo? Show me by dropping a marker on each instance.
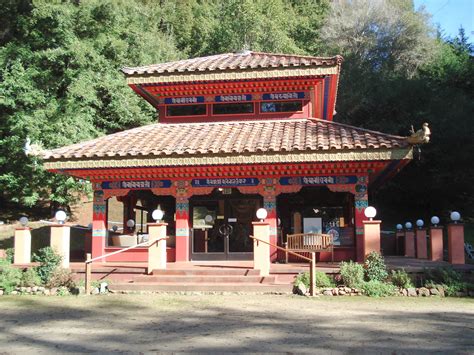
(234, 132)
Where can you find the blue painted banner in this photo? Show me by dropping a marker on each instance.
(233, 98)
(136, 184)
(283, 96)
(318, 180)
(184, 100)
(224, 182)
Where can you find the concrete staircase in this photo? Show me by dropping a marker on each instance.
(206, 280)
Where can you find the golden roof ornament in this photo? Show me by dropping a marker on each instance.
(421, 136)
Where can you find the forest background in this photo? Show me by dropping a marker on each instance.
(60, 83)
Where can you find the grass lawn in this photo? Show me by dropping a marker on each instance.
(235, 323)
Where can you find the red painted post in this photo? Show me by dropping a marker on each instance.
(436, 243)
(269, 203)
(410, 243)
(456, 243)
(360, 204)
(421, 247)
(182, 229)
(99, 224)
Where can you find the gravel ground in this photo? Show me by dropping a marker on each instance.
(235, 323)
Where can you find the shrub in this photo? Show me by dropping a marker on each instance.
(400, 278)
(352, 274)
(322, 279)
(30, 278)
(375, 269)
(450, 279)
(10, 254)
(61, 278)
(10, 277)
(375, 288)
(49, 261)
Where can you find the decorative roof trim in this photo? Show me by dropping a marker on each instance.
(232, 75)
(331, 156)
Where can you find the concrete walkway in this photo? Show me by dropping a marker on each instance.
(235, 324)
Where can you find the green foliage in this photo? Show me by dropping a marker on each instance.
(375, 269)
(61, 277)
(352, 274)
(322, 279)
(10, 277)
(450, 279)
(376, 288)
(49, 261)
(10, 254)
(30, 278)
(400, 278)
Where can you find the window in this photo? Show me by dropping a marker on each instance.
(283, 106)
(186, 110)
(232, 109)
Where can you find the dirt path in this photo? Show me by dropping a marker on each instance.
(235, 323)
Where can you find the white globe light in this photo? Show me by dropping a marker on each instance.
(208, 218)
(157, 215)
(399, 227)
(114, 228)
(370, 212)
(89, 226)
(262, 213)
(60, 216)
(420, 223)
(435, 220)
(130, 223)
(455, 216)
(408, 225)
(23, 221)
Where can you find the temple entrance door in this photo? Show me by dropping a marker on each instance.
(221, 226)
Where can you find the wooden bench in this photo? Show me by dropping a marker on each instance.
(311, 243)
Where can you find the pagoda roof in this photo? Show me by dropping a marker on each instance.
(235, 142)
(245, 60)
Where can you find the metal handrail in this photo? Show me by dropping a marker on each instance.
(89, 261)
(312, 263)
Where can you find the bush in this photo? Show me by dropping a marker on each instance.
(352, 274)
(400, 278)
(322, 279)
(375, 269)
(49, 261)
(61, 278)
(30, 278)
(10, 254)
(10, 277)
(450, 279)
(375, 288)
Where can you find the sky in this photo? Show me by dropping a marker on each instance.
(450, 15)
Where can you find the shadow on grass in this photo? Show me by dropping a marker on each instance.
(213, 325)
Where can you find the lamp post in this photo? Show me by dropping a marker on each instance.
(61, 238)
(436, 240)
(399, 239)
(157, 257)
(456, 239)
(261, 250)
(420, 238)
(410, 250)
(371, 237)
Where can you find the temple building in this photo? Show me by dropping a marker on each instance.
(234, 132)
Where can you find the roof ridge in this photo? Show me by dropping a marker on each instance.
(357, 128)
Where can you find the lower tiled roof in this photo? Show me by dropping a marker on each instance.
(224, 138)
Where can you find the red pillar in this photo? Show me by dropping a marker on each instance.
(410, 243)
(99, 224)
(371, 237)
(421, 247)
(456, 243)
(269, 203)
(436, 243)
(360, 203)
(182, 228)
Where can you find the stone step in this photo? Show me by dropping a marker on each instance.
(207, 279)
(208, 272)
(222, 287)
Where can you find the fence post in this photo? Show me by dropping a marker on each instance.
(88, 274)
(312, 275)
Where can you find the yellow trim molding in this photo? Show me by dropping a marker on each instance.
(179, 160)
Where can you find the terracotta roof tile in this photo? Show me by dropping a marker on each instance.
(230, 61)
(230, 138)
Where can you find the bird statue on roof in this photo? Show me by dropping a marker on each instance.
(421, 136)
(35, 150)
